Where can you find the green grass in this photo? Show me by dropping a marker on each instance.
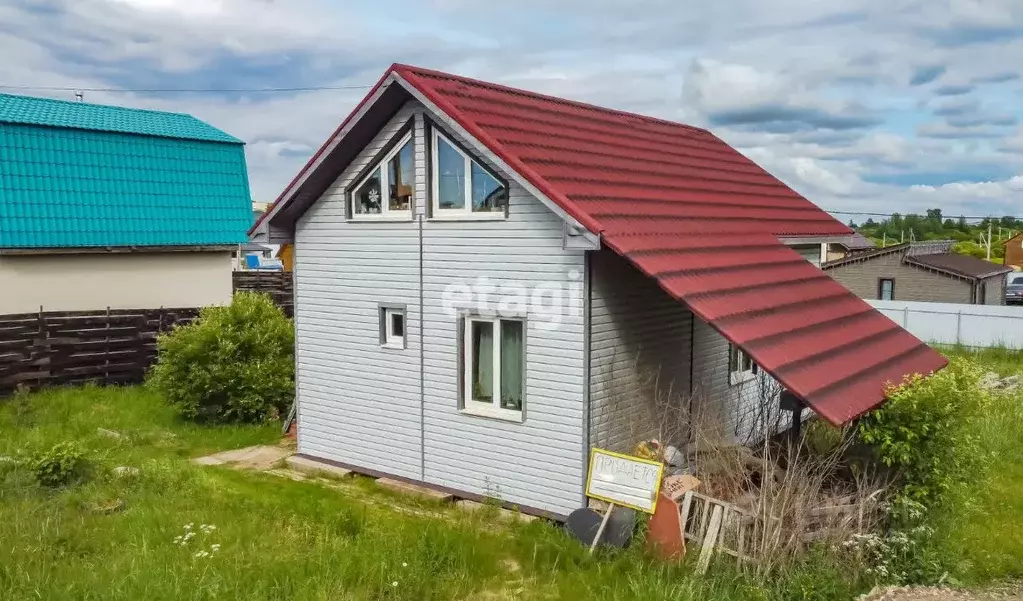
(1002, 360)
(984, 528)
(290, 540)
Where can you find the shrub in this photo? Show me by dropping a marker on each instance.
(928, 432)
(232, 364)
(63, 464)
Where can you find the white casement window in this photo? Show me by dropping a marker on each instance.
(493, 367)
(741, 367)
(392, 327)
(461, 186)
(387, 191)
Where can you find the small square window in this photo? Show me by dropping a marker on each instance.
(741, 367)
(392, 327)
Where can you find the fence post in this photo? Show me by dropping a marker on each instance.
(47, 349)
(905, 317)
(959, 327)
(106, 351)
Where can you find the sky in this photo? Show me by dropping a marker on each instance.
(860, 105)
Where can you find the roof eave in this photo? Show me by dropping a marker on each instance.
(321, 153)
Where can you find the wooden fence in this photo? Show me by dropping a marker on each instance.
(108, 347)
(277, 284)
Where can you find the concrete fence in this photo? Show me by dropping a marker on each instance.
(968, 325)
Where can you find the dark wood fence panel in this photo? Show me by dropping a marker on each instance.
(276, 283)
(108, 347)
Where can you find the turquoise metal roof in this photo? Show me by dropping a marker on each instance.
(122, 178)
(28, 110)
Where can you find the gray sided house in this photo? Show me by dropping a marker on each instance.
(490, 282)
(921, 271)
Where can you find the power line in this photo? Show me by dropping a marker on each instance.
(184, 90)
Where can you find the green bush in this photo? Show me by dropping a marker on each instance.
(63, 464)
(232, 364)
(927, 432)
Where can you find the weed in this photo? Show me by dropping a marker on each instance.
(63, 464)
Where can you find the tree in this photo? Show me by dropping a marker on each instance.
(962, 225)
(852, 224)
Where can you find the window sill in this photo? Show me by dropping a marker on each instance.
(740, 377)
(374, 218)
(393, 346)
(496, 216)
(506, 415)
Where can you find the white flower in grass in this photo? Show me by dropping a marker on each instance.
(214, 548)
(404, 564)
(395, 583)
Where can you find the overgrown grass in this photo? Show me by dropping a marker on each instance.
(982, 528)
(1002, 360)
(291, 540)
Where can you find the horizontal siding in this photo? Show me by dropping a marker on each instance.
(362, 405)
(537, 463)
(743, 413)
(640, 343)
(911, 283)
(358, 403)
(995, 294)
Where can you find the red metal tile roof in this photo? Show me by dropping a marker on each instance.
(703, 221)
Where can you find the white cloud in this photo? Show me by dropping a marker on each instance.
(818, 93)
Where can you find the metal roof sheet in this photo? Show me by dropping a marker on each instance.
(963, 265)
(74, 188)
(859, 242)
(703, 221)
(48, 112)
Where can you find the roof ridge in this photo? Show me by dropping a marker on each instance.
(78, 103)
(399, 67)
(54, 113)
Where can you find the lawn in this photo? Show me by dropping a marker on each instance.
(985, 530)
(279, 539)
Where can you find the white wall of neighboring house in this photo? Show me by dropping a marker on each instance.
(947, 323)
(89, 282)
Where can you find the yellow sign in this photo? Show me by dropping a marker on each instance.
(624, 480)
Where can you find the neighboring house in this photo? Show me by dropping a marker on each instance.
(241, 255)
(921, 271)
(857, 244)
(489, 282)
(104, 206)
(1014, 251)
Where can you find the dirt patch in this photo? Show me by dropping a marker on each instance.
(1004, 592)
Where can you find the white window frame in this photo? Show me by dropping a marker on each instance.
(466, 213)
(740, 376)
(388, 339)
(385, 214)
(493, 408)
